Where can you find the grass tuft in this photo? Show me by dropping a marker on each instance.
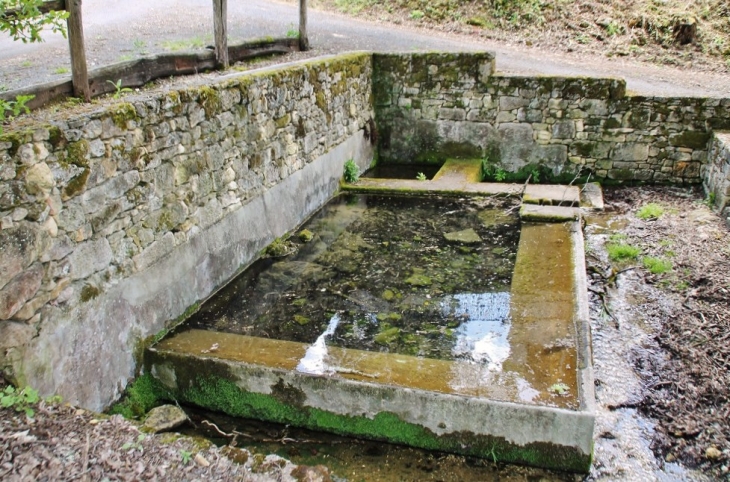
(656, 265)
(650, 211)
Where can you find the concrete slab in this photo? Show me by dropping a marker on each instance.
(460, 170)
(551, 194)
(548, 214)
(442, 186)
(591, 196)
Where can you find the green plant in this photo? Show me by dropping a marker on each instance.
(416, 14)
(619, 250)
(292, 32)
(61, 70)
(656, 265)
(136, 445)
(19, 400)
(14, 107)
(710, 199)
(650, 211)
(613, 28)
(186, 456)
(119, 90)
(139, 44)
(23, 20)
(352, 171)
(175, 45)
(421, 176)
(559, 388)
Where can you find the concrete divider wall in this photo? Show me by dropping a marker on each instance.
(432, 106)
(716, 174)
(115, 221)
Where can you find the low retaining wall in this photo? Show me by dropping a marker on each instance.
(717, 174)
(115, 222)
(433, 106)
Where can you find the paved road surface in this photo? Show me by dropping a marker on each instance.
(117, 30)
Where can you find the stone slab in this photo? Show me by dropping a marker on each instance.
(591, 196)
(551, 194)
(460, 170)
(548, 214)
(444, 186)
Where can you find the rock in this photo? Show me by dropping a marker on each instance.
(466, 236)
(39, 179)
(90, 257)
(713, 453)
(200, 460)
(14, 334)
(318, 473)
(20, 289)
(19, 247)
(163, 418)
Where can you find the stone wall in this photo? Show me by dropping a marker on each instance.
(114, 222)
(717, 173)
(433, 106)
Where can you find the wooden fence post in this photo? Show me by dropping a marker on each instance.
(303, 39)
(220, 31)
(79, 70)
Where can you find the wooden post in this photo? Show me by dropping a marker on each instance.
(220, 31)
(79, 71)
(303, 39)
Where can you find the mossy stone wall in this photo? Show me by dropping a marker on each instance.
(92, 199)
(716, 174)
(430, 107)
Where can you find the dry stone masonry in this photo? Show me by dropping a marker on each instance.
(90, 203)
(114, 222)
(717, 174)
(433, 106)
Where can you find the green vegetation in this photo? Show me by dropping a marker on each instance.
(185, 456)
(61, 70)
(656, 265)
(118, 89)
(421, 176)
(619, 250)
(352, 171)
(21, 400)
(650, 211)
(27, 22)
(142, 395)
(184, 44)
(292, 32)
(13, 108)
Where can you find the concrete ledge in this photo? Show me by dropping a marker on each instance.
(548, 214)
(551, 195)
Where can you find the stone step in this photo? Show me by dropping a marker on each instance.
(548, 214)
(551, 194)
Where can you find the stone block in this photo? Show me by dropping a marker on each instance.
(39, 179)
(19, 290)
(564, 130)
(14, 334)
(20, 246)
(89, 257)
(630, 152)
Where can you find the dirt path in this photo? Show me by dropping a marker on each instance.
(117, 30)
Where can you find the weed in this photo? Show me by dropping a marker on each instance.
(613, 28)
(185, 456)
(620, 251)
(139, 44)
(126, 57)
(293, 32)
(710, 199)
(14, 107)
(26, 63)
(136, 445)
(656, 265)
(61, 70)
(416, 14)
(421, 176)
(119, 90)
(176, 45)
(19, 400)
(559, 388)
(352, 171)
(650, 211)
(535, 175)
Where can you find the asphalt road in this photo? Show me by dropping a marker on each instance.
(120, 30)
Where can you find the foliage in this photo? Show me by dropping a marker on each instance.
(136, 445)
(650, 211)
(657, 265)
(28, 22)
(119, 90)
(20, 400)
(13, 108)
(352, 171)
(421, 176)
(140, 396)
(619, 250)
(292, 32)
(186, 456)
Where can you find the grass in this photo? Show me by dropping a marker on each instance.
(619, 250)
(650, 211)
(62, 70)
(656, 265)
(184, 44)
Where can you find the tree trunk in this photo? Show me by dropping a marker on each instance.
(303, 39)
(220, 30)
(79, 70)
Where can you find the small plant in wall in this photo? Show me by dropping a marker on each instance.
(118, 89)
(352, 171)
(421, 176)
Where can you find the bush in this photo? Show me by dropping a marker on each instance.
(352, 171)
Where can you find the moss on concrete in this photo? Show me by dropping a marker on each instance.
(142, 395)
(122, 113)
(76, 185)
